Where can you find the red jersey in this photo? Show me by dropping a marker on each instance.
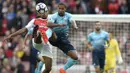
(42, 28)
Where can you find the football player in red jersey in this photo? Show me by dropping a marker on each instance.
(40, 34)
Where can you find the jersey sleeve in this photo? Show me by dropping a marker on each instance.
(117, 50)
(30, 31)
(89, 38)
(69, 17)
(30, 24)
(107, 36)
(52, 18)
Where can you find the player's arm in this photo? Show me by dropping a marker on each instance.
(117, 49)
(51, 25)
(89, 45)
(118, 53)
(107, 44)
(51, 22)
(23, 30)
(53, 37)
(73, 23)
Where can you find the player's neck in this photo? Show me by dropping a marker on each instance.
(43, 17)
(61, 14)
(98, 31)
(111, 38)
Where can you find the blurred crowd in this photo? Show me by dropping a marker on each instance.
(92, 6)
(14, 54)
(15, 14)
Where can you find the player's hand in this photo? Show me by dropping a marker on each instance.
(106, 46)
(119, 60)
(7, 38)
(76, 28)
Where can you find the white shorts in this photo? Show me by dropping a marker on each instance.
(45, 49)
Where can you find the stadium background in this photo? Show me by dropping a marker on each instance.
(15, 14)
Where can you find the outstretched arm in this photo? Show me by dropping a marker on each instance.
(118, 53)
(51, 22)
(51, 25)
(89, 46)
(23, 30)
(16, 33)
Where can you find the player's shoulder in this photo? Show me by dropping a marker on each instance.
(114, 40)
(54, 14)
(30, 31)
(104, 32)
(68, 14)
(91, 34)
(50, 19)
(32, 20)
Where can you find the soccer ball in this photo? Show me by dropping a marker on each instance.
(41, 8)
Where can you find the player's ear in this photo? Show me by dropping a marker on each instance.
(65, 8)
(57, 7)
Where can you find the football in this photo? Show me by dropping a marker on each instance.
(41, 8)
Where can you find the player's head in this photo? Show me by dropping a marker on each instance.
(42, 10)
(61, 9)
(98, 26)
(111, 35)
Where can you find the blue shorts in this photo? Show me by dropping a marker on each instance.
(98, 58)
(62, 43)
(34, 56)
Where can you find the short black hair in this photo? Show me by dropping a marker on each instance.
(110, 31)
(98, 22)
(61, 3)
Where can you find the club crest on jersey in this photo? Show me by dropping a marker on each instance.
(41, 26)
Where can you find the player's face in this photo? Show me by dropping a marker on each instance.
(43, 15)
(61, 10)
(97, 26)
(110, 35)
